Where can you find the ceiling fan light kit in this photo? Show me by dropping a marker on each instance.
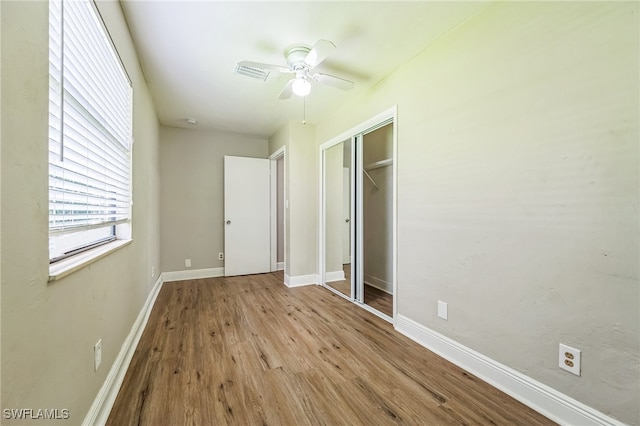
(300, 61)
(301, 86)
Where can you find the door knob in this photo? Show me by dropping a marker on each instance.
(228, 222)
(346, 220)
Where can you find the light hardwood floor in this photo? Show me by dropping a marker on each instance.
(373, 297)
(249, 351)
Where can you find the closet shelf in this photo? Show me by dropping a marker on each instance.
(379, 164)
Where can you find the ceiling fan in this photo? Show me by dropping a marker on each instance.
(301, 60)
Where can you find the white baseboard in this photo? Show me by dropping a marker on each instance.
(378, 283)
(334, 276)
(193, 274)
(300, 280)
(280, 266)
(542, 398)
(101, 407)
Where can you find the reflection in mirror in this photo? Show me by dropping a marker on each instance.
(337, 213)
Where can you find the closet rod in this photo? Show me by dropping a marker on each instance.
(378, 164)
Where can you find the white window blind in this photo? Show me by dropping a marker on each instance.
(90, 131)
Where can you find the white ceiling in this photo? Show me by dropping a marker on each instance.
(189, 49)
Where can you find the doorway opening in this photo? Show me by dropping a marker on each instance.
(278, 209)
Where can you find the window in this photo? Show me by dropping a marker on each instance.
(90, 133)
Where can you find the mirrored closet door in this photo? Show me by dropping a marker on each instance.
(337, 179)
(358, 192)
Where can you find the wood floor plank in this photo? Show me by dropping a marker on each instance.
(374, 297)
(250, 351)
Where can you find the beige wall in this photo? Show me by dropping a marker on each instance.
(303, 199)
(517, 202)
(301, 170)
(191, 206)
(518, 188)
(49, 329)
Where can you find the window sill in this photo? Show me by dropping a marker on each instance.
(68, 266)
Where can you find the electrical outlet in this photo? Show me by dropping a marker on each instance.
(443, 309)
(187, 263)
(569, 359)
(220, 256)
(153, 272)
(97, 354)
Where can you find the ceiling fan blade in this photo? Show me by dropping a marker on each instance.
(262, 66)
(287, 90)
(319, 52)
(334, 81)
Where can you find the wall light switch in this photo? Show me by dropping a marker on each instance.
(187, 263)
(442, 309)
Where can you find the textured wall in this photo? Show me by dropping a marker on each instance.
(192, 203)
(518, 186)
(49, 329)
(303, 199)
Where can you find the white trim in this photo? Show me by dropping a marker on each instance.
(101, 407)
(300, 280)
(375, 312)
(193, 274)
(540, 397)
(61, 269)
(280, 266)
(363, 127)
(321, 217)
(381, 285)
(339, 293)
(394, 213)
(279, 153)
(334, 276)
(357, 237)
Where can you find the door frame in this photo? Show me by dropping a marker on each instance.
(277, 155)
(385, 117)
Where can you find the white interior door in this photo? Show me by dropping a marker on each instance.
(247, 239)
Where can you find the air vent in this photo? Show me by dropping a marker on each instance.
(258, 73)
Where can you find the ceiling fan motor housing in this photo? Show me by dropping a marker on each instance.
(295, 57)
